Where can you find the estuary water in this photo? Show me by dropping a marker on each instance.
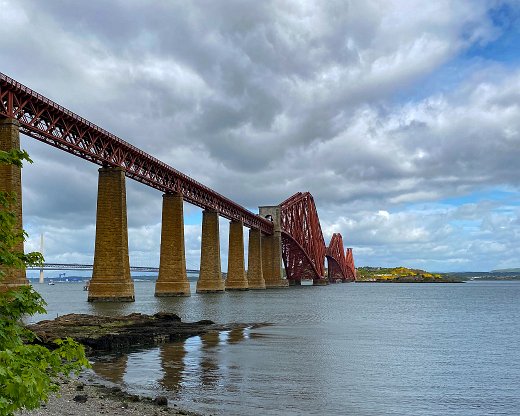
(344, 349)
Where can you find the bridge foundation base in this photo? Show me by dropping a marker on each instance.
(320, 282)
(166, 289)
(111, 292)
(210, 277)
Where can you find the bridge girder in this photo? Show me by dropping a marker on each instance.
(51, 123)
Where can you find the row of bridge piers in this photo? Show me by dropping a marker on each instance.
(111, 279)
(111, 274)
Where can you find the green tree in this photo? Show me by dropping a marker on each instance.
(28, 371)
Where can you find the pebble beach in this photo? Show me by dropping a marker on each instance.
(81, 397)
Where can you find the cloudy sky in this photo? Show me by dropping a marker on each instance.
(402, 118)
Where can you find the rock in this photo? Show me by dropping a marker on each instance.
(104, 333)
(109, 333)
(80, 387)
(160, 401)
(80, 398)
(167, 316)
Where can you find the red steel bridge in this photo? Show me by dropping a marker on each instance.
(303, 248)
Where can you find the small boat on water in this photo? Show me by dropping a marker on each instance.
(51, 283)
(87, 285)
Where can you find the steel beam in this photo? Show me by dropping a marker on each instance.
(51, 123)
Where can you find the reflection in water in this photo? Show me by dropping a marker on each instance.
(332, 351)
(172, 362)
(209, 370)
(177, 367)
(236, 335)
(112, 368)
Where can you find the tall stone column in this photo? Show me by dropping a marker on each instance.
(255, 275)
(272, 250)
(172, 280)
(11, 181)
(210, 278)
(111, 280)
(236, 276)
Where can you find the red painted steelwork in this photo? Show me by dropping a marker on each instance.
(303, 246)
(336, 261)
(351, 268)
(53, 124)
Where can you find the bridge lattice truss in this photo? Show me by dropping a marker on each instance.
(340, 264)
(303, 245)
(337, 266)
(351, 269)
(53, 124)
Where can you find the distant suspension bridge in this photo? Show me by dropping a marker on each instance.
(77, 266)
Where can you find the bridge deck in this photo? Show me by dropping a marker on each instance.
(51, 123)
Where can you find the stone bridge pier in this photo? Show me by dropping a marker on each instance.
(11, 182)
(172, 280)
(272, 250)
(111, 279)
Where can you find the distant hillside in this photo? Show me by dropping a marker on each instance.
(517, 270)
(494, 275)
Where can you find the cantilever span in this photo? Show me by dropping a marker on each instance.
(288, 232)
(303, 245)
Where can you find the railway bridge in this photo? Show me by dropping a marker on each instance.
(288, 233)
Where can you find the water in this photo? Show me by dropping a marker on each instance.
(345, 349)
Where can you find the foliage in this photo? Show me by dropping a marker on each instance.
(28, 372)
(10, 237)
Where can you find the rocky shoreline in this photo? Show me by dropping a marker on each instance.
(90, 395)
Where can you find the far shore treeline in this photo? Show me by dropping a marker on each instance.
(364, 274)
